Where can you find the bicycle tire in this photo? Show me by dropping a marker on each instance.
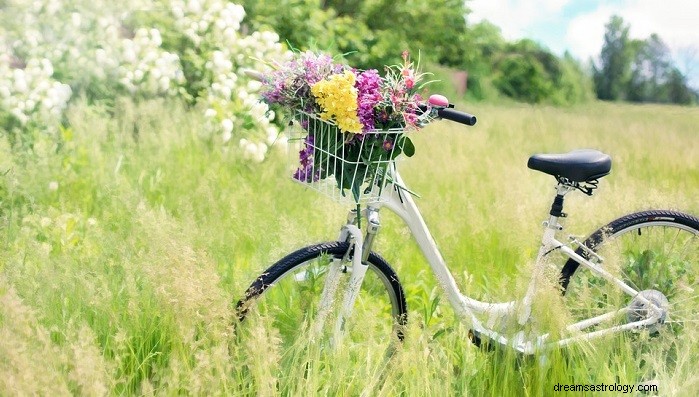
(294, 282)
(650, 250)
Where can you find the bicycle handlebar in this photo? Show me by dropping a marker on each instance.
(440, 105)
(455, 115)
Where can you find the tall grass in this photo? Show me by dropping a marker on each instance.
(122, 280)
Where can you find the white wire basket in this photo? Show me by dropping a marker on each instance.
(348, 168)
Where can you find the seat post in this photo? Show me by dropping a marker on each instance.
(557, 206)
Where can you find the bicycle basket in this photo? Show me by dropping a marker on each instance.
(347, 167)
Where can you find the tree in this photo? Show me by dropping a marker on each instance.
(371, 33)
(483, 42)
(612, 76)
(527, 72)
(678, 90)
(650, 70)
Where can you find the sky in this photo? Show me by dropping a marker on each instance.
(577, 26)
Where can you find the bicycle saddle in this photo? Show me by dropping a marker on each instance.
(580, 165)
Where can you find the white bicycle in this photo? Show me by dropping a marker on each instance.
(638, 274)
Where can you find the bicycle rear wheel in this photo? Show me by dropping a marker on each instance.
(657, 254)
(285, 299)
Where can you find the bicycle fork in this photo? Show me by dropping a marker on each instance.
(361, 248)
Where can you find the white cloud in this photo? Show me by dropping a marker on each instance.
(675, 21)
(514, 16)
(585, 34)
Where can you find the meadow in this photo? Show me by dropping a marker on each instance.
(125, 248)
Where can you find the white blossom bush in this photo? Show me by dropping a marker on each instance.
(194, 50)
(212, 32)
(29, 97)
(145, 69)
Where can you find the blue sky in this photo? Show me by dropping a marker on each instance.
(578, 25)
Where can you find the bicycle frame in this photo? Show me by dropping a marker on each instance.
(397, 199)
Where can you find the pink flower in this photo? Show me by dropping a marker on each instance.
(410, 81)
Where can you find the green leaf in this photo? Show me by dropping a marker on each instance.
(408, 147)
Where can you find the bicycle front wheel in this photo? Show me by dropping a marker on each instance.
(286, 299)
(657, 254)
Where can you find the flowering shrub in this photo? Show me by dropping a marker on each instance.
(29, 97)
(145, 69)
(53, 50)
(357, 105)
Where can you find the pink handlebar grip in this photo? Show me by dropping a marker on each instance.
(438, 100)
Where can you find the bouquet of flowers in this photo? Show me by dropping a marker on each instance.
(354, 121)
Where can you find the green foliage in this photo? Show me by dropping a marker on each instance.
(372, 33)
(522, 75)
(529, 73)
(678, 90)
(121, 260)
(301, 23)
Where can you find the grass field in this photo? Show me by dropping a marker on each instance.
(124, 251)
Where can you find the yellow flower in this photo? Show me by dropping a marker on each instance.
(337, 98)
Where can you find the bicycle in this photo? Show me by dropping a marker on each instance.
(636, 274)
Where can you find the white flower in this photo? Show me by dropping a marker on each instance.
(53, 186)
(129, 54)
(155, 37)
(227, 135)
(194, 6)
(177, 12)
(47, 103)
(261, 152)
(164, 83)
(259, 110)
(250, 151)
(254, 85)
(210, 113)
(75, 19)
(20, 82)
(20, 116)
(227, 125)
(47, 67)
(225, 92)
(272, 134)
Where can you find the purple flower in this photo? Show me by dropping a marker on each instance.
(368, 95)
(305, 172)
(290, 85)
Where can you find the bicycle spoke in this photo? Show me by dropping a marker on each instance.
(658, 258)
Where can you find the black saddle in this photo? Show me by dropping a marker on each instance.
(580, 165)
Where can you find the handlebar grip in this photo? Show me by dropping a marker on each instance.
(455, 115)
